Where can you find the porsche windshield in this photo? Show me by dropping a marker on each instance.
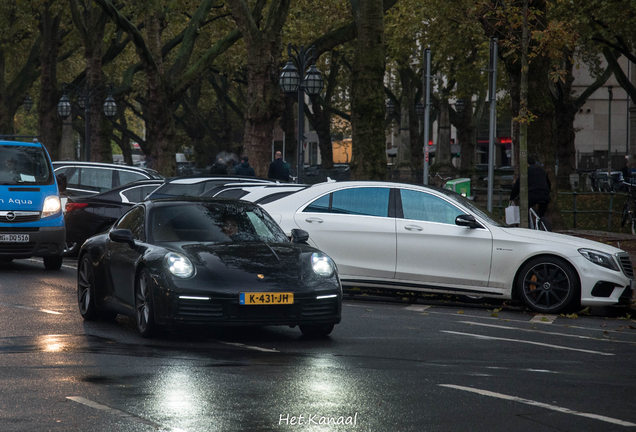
(24, 165)
(211, 222)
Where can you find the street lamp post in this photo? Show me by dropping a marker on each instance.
(84, 97)
(609, 135)
(291, 81)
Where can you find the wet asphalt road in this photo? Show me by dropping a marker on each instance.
(390, 366)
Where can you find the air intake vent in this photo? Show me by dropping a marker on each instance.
(626, 264)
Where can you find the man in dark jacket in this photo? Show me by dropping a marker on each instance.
(538, 187)
(278, 170)
(244, 168)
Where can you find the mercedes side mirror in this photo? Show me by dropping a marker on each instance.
(467, 221)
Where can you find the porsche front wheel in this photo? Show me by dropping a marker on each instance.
(548, 285)
(144, 310)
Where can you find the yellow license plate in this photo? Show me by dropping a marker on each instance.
(259, 298)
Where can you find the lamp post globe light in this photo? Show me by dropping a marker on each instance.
(390, 108)
(28, 103)
(459, 106)
(84, 95)
(419, 110)
(291, 80)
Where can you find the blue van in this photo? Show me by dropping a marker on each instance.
(31, 218)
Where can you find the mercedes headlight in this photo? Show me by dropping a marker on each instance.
(51, 206)
(178, 265)
(322, 264)
(601, 258)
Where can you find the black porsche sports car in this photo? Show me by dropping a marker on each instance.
(207, 261)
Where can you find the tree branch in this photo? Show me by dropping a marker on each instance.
(134, 33)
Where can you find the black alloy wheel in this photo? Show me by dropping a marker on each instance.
(86, 290)
(316, 330)
(548, 285)
(144, 305)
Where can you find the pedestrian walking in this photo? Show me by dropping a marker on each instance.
(278, 169)
(627, 173)
(538, 187)
(244, 168)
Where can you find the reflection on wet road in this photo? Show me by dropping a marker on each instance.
(389, 366)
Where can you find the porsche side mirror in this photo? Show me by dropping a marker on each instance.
(122, 236)
(299, 236)
(467, 221)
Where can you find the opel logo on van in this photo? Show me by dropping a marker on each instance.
(10, 216)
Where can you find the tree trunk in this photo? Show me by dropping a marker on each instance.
(264, 97)
(49, 125)
(443, 148)
(322, 124)
(467, 136)
(367, 95)
(160, 131)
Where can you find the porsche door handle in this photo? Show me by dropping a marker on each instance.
(314, 220)
(413, 228)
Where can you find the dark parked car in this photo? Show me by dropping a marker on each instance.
(88, 215)
(202, 185)
(207, 261)
(88, 178)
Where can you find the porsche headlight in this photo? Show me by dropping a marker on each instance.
(601, 258)
(178, 265)
(51, 206)
(322, 264)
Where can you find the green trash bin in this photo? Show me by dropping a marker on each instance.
(460, 185)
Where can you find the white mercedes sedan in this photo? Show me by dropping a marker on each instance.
(409, 237)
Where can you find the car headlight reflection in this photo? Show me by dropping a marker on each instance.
(322, 264)
(600, 258)
(51, 206)
(178, 265)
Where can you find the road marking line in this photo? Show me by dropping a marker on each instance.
(543, 319)
(544, 332)
(527, 342)
(33, 309)
(248, 346)
(521, 321)
(416, 308)
(539, 404)
(113, 411)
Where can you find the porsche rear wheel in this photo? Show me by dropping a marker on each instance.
(86, 290)
(145, 314)
(548, 285)
(316, 330)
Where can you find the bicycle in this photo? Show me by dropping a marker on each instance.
(629, 207)
(442, 180)
(538, 223)
(534, 221)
